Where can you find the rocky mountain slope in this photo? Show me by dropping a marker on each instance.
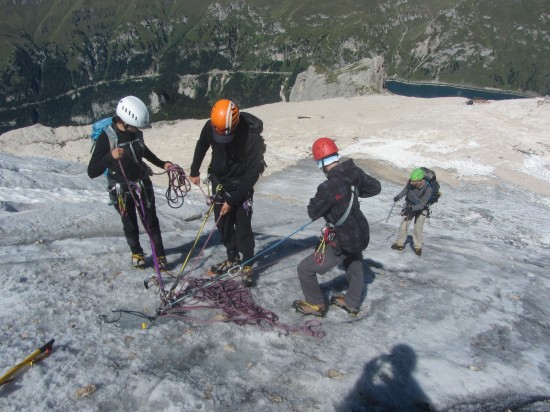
(66, 63)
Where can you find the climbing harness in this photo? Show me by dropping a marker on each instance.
(247, 205)
(120, 199)
(327, 237)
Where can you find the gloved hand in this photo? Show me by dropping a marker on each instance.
(396, 198)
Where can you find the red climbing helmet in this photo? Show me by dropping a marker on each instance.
(323, 147)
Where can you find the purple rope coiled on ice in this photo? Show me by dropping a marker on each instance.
(237, 304)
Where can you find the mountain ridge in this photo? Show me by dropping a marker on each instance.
(66, 63)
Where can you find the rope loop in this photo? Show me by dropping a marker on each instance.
(178, 186)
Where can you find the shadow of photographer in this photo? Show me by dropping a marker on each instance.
(388, 384)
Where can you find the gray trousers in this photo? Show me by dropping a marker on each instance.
(308, 269)
(418, 235)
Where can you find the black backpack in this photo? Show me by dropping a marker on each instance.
(431, 178)
(255, 132)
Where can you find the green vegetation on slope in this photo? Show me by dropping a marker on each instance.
(64, 55)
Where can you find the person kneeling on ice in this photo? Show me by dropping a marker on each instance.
(345, 235)
(120, 149)
(417, 193)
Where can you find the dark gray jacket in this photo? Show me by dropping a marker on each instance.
(417, 198)
(332, 200)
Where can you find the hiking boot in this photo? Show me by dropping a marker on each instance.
(418, 251)
(396, 246)
(162, 263)
(138, 260)
(308, 309)
(248, 276)
(223, 267)
(340, 302)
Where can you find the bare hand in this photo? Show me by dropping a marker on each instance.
(168, 165)
(196, 180)
(117, 153)
(225, 208)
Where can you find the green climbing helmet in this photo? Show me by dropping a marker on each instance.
(417, 174)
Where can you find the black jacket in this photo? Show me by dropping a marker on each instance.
(332, 200)
(236, 165)
(132, 161)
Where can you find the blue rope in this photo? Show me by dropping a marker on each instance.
(278, 243)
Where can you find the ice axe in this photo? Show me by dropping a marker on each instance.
(30, 360)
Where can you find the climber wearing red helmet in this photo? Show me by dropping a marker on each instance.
(345, 235)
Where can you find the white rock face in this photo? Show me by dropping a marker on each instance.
(155, 102)
(361, 78)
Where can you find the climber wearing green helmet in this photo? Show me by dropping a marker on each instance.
(417, 175)
(417, 194)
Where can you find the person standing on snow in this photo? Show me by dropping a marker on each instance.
(345, 235)
(236, 164)
(121, 150)
(417, 193)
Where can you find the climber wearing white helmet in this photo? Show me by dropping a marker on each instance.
(119, 152)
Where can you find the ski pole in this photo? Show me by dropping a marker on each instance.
(391, 210)
(30, 360)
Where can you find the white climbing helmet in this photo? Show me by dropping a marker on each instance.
(133, 112)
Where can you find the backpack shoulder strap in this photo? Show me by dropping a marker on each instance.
(348, 210)
(111, 134)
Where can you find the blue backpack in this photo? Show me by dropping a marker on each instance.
(100, 126)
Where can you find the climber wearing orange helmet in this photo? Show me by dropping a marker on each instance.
(235, 167)
(345, 235)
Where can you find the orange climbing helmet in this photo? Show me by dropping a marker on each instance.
(323, 147)
(225, 118)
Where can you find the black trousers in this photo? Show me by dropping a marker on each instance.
(236, 230)
(129, 216)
